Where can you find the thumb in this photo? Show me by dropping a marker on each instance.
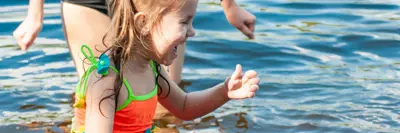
(238, 72)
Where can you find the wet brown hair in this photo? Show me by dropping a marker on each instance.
(129, 36)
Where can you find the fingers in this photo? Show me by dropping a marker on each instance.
(250, 26)
(254, 88)
(21, 43)
(252, 85)
(238, 72)
(249, 75)
(250, 22)
(22, 38)
(234, 84)
(245, 79)
(246, 31)
(236, 79)
(253, 81)
(18, 35)
(250, 95)
(252, 91)
(26, 33)
(27, 41)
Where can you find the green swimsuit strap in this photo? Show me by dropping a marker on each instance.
(102, 65)
(132, 97)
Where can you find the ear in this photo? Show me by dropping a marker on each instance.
(140, 18)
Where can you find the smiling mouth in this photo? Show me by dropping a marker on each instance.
(175, 50)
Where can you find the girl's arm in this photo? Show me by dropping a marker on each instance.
(238, 17)
(97, 121)
(192, 105)
(28, 30)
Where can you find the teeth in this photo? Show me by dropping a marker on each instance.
(175, 49)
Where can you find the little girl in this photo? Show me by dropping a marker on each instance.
(120, 91)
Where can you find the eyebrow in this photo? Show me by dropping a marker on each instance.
(186, 18)
(189, 17)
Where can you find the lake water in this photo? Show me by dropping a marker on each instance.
(325, 66)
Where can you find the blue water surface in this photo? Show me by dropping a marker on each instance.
(324, 66)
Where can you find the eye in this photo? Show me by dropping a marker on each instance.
(185, 22)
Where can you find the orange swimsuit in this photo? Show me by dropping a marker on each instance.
(134, 116)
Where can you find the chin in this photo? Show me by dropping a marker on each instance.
(165, 62)
(168, 62)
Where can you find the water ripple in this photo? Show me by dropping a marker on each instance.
(324, 66)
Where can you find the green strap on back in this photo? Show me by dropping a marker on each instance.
(132, 97)
(82, 84)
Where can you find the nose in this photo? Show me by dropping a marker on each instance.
(191, 32)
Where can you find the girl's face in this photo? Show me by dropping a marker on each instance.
(174, 29)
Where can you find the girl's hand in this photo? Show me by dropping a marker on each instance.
(242, 86)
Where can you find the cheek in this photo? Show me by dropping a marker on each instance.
(175, 33)
(161, 42)
(177, 37)
(172, 36)
(168, 35)
(158, 43)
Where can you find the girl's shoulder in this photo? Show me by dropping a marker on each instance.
(100, 76)
(98, 82)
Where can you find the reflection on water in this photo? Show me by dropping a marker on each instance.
(325, 66)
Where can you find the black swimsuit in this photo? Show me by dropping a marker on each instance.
(99, 5)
